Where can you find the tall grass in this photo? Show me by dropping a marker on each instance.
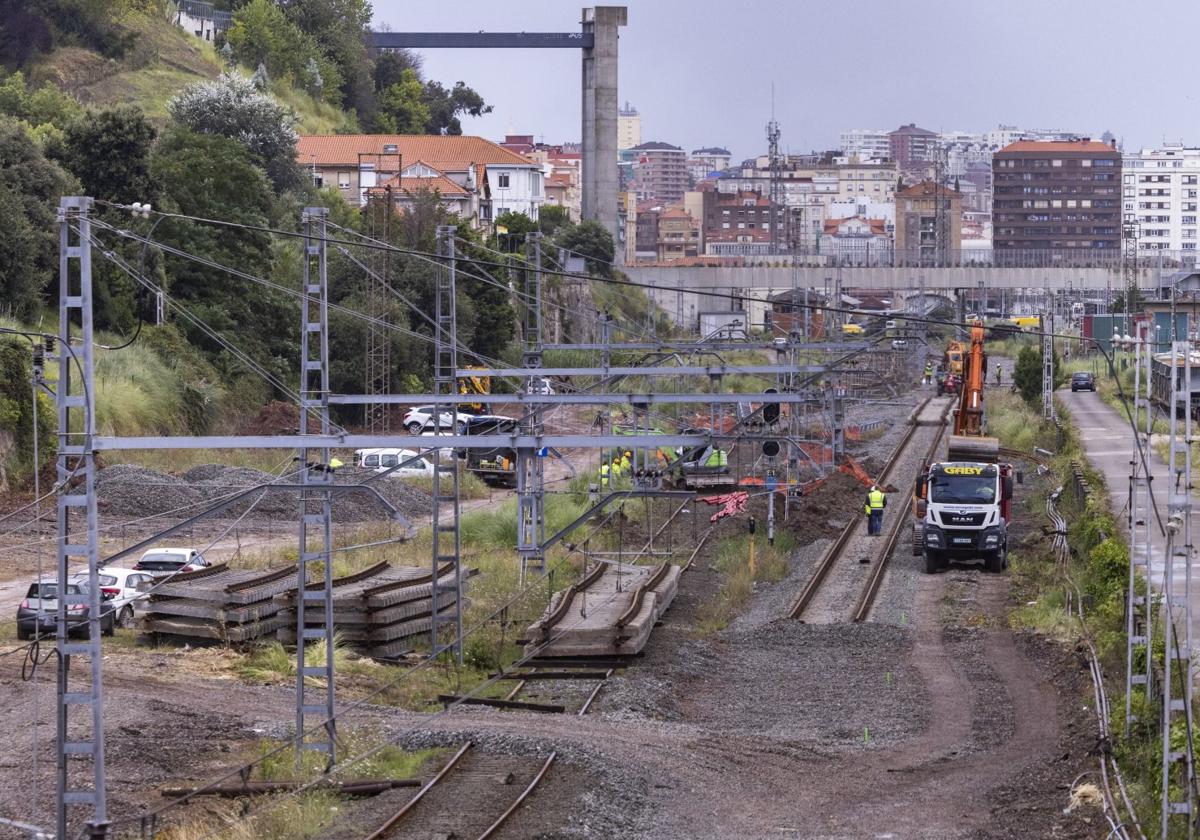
(738, 580)
(137, 393)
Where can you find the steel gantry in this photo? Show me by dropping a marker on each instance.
(447, 527)
(1178, 771)
(530, 461)
(1139, 609)
(80, 729)
(316, 502)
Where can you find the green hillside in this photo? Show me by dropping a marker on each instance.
(163, 60)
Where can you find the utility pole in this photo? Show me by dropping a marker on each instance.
(316, 501)
(775, 161)
(78, 737)
(379, 344)
(1178, 772)
(531, 526)
(447, 527)
(1048, 413)
(1139, 608)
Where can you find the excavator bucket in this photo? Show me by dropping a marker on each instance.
(970, 448)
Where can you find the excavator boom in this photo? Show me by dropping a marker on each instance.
(967, 442)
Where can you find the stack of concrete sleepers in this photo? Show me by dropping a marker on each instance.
(380, 611)
(609, 612)
(219, 603)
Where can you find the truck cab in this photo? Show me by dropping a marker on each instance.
(963, 510)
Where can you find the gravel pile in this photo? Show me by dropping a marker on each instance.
(127, 490)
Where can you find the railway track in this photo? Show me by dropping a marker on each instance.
(474, 815)
(866, 597)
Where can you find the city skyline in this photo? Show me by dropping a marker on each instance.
(681, 66)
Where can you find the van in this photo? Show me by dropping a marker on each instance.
(852, 329)
(381, 460)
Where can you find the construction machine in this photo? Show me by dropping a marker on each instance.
(471, 385)
(962, 506)
(952, 359)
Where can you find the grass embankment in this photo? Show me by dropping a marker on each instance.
(1099, 566)
(163, 61)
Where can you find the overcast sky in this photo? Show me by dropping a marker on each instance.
(700, 71)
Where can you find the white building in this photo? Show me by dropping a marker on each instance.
(629, 127)
(866, 143)
(857, 241)
(1160, 196)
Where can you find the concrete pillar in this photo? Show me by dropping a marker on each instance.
(599, 135)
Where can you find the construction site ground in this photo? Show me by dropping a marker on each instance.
(933, 719)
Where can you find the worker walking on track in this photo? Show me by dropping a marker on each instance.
(873, 508)
(928, 377)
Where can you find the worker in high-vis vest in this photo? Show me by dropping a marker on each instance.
(604, 470)
(873, 508)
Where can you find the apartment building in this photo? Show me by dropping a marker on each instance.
(865, 144)
(739, 224)
(1160, 189)
(1060, 195)
(629, 127)
(928, 225)
(914, 149)
(660, 172)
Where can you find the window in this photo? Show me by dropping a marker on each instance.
(343, 179)
(1056, 163)
(502, 180)
(1085, 163)
(1187, 220)
(725, 225)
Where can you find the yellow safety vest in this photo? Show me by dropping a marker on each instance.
(604, 474)
(876, 500)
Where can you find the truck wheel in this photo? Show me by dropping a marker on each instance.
(995, 562)
(932, 562)
(918, 539)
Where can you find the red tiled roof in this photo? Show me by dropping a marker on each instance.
(453, 153)
(559, 179)
(927, 188)
(878, 226)
(1089, 146)
(412, 183)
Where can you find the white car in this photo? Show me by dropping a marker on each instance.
(381, 460)
(124, 587)
(163, 562)
(420, 417)
(899, 344)
(540, 385)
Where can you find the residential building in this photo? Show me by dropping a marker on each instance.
(914, 150)
(928, 225)
(660, 172)
(739, 224)
(629, 127)
(866, 144)
(403, 189)
(1060, 195)
(627, 226)
(1160, 196)
(496, 179)
(706, 162)
(646, 235)
(677, 235)
(202, 19)
(857, 241)
(867, 208)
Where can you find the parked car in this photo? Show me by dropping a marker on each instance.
(124, 587)
(899, 343)
(38, 612)
(162, 562)
(381, 460)
(1083, 381)
(420, 417)
(541, 385)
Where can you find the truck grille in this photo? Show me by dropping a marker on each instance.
(962, 520)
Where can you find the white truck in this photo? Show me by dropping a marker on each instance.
(962, 510)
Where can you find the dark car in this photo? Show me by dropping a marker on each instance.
(38, 613)
(1083, 381)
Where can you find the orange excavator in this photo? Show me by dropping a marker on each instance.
(967, 440)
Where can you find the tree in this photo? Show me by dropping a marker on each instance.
(338, 29)
(515, 225)
(215, 177)
(45, 105)
(16, 415)
(552, 218)
(593, 242)
(263, 35)
(231, 107)
(1027, 374)
(109, 152)
(444, 106)
(33, 184)
(401, 109)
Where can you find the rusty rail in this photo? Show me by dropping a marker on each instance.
(564, 603)
(639, 596)
(835, 550)
(867, 599)
(382, 831)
